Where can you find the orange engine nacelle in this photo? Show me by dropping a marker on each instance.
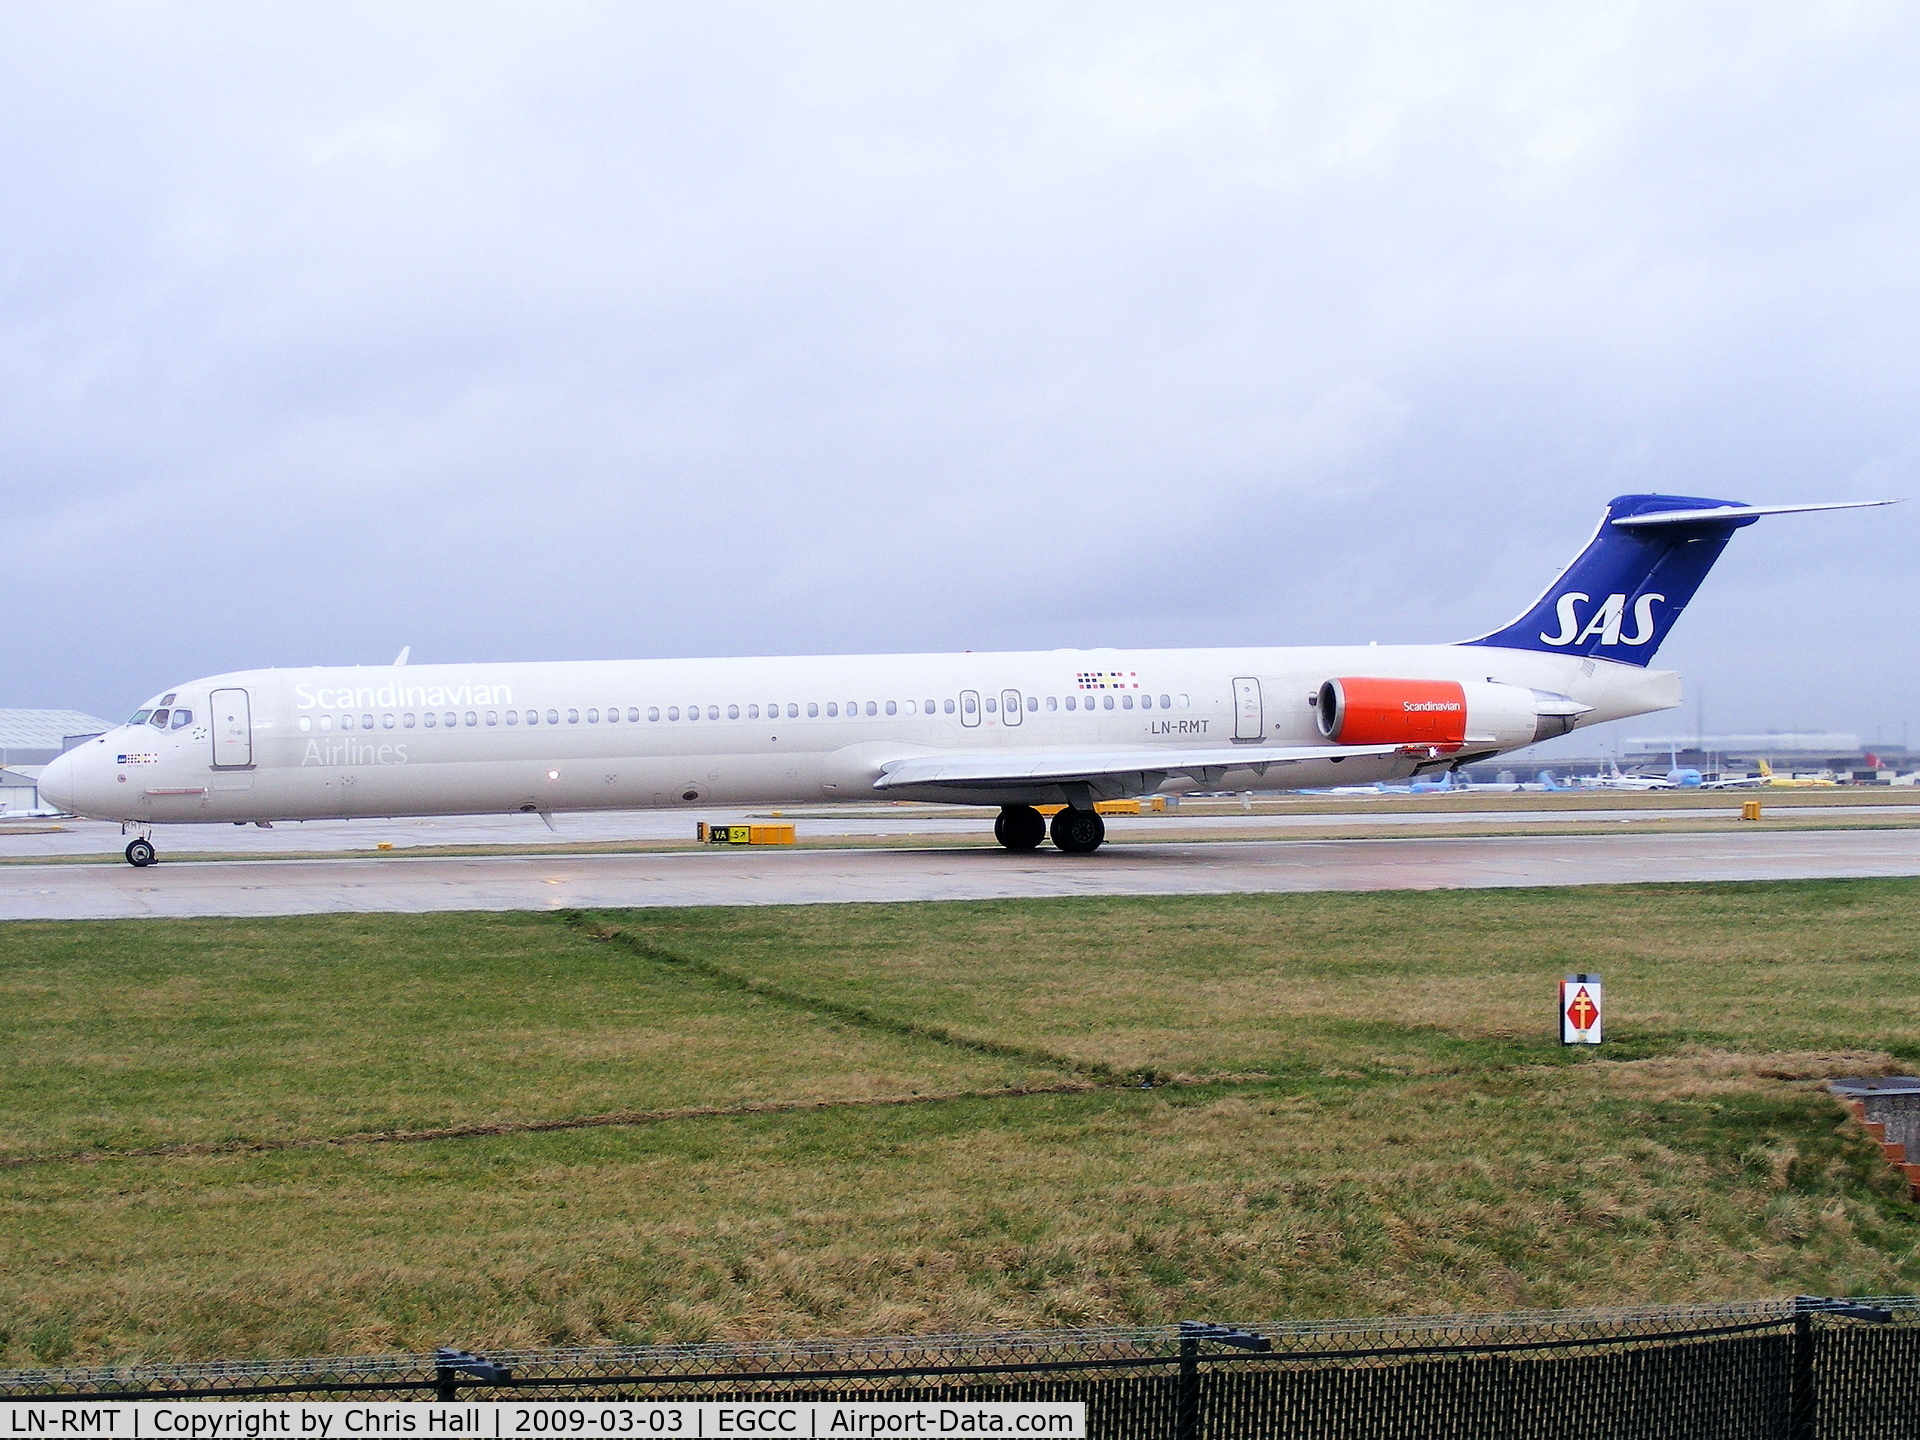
(1356, 710)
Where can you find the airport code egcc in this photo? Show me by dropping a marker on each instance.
(694, 1420)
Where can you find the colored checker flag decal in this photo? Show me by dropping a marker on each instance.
(1583, 1012)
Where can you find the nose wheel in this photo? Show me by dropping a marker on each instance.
(140, 854)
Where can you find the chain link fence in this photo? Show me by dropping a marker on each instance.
(1799, 1369)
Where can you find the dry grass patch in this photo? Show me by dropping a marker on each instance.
(1563, 1185)
(1401, 1132)
(125, 1035)
(1397, 980)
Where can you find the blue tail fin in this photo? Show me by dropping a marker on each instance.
(1621, 594)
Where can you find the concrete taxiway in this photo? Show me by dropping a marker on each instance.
(414, 884)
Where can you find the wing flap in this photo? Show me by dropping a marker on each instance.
(989, 770)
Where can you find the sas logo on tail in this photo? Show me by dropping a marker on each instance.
(1605, 621)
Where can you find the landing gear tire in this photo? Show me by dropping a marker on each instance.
(140, 854)
(1019, 827)
(1079, 832)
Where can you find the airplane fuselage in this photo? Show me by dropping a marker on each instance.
(423, 740)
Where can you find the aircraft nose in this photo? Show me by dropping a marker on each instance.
(57, 787)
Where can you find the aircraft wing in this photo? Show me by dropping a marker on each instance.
(1118, 771)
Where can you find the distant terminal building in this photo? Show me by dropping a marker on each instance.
(28, 740)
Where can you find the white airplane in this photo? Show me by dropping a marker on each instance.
(1013, 730)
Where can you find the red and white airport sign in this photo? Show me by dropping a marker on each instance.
(1581, 1010)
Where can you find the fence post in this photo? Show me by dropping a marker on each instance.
(1801, 1402)
(1186, 1416)
(448, 1365)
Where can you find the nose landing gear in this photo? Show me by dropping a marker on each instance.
(140, 853)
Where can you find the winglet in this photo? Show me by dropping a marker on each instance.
(401, 658)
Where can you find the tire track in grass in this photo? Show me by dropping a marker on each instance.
(487, 1129)
(1093, 1071)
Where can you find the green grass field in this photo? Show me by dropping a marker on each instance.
(699, 1123)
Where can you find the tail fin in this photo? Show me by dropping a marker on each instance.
(1766, 770)
(1621, 595)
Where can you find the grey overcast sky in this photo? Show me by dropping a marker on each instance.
(572, 330)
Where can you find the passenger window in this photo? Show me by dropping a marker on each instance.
(673, 712)
(1126, 701)
(633, 714)
(833, 708)
(513, 718)
(159, 721)
(387, 720)
(472, 719)
(753, 712)
(1072, 703)
(872, 709)
(553, 717)
(406, 721)
(1033, 702)
(993, 706)
(306, 723)
(346, 722)
(912, 707)
(613, 715)
(948, 707)
(1106, 702)
(493, 717)
(653, 713)
(713, 712)
(893, 709)
(853, 708)
(1184, 702)
(793, 710)
(573, 717)
(593, 717)
(733, 712)
(929, 707)
(451, 719)
(1146, 702)
(1053, 702)
(1163, 703)
(813, 709)
(366, 722)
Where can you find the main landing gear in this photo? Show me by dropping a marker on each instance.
(140, 853)
(1019, 827)
(1022, 828)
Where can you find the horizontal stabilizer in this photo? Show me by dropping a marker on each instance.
(1739, 512)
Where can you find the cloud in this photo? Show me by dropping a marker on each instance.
(585, 330)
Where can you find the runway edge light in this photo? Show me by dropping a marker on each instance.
(1581, 1010)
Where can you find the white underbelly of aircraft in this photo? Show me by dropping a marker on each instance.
(495, 787)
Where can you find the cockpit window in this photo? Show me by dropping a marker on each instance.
(139, 717)
(159, 720)
(181, 718)
(167, 699)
